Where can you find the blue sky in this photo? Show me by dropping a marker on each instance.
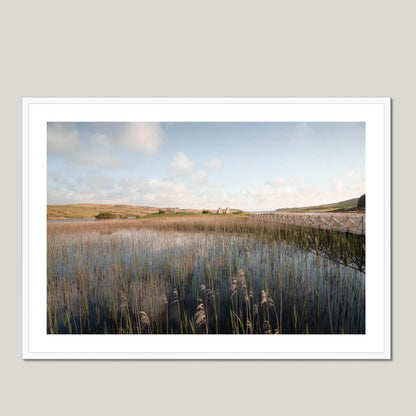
(250, 165)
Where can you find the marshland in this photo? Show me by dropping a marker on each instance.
(203, 274)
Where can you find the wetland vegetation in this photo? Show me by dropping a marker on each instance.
(203, 274)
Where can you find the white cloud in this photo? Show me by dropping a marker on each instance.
(194, 193)
(348, 186)
(98, 157)
(186, 169)
(215, 163)
(278, 182)
(99, 141)
(143, 137)
(181, 163)
(96, 181)
(62, 138)
(199, 176)
(103, 150)
(270, 196)
(131, 190)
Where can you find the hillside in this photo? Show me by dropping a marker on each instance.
(91, 210)
(72, 211)
(77, 211)
(342, 206)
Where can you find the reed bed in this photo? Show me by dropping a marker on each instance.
(203, 275)
(346, 248)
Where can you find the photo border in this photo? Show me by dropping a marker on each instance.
(37, 344)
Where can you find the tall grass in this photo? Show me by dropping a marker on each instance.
(346, 248)
(203, 275)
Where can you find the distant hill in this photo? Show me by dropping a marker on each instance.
(91, 210)
(76, 211)
(343, 206)
(73, 211)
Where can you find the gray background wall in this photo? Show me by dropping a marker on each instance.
(211, 48)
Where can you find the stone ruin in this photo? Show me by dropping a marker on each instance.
(226, 211)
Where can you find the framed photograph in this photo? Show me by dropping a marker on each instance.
(206, 228)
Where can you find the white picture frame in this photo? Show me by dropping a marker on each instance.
(374, 344)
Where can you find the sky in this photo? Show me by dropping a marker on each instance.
(253, 166)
